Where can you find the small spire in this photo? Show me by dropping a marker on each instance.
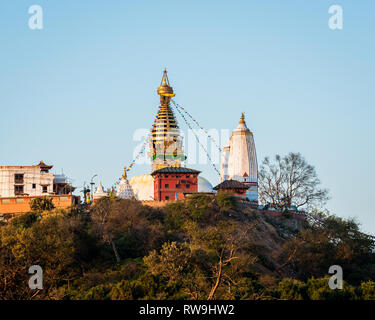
(164, 80)
(124, 176)
(165, 89)
(242, 120)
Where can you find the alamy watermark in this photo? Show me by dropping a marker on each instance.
(36, 280)
(200, 146)
(335, 281)
(335, 21)
(36, 20)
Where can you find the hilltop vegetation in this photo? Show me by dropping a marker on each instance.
(203, 248)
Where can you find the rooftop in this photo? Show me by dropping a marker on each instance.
(175, 170)
(231, 184)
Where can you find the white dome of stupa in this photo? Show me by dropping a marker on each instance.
(204, 185)
(143, 187)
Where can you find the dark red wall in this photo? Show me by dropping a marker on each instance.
(163, 192)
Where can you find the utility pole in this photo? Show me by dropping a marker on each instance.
(92, 184)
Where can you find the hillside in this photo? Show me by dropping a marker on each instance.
(201, 248)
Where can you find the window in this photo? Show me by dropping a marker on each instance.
(167, 185)
(64, 198)
(18, 178)
(20, 200)
(5, 201)
(183, 181)
(45, 189)
(188, 186)
(34, 186)
(18, 190)
(166, 198)
(177, 186)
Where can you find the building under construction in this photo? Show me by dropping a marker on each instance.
(20, 184)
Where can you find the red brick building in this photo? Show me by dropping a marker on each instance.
(170, 183)
(232, 186)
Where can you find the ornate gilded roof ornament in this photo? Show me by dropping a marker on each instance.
(165, 89)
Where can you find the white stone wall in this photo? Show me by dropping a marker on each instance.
(31, 176)
(224, 163)
(143, 187)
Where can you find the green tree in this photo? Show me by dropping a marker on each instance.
(368, 290)
(48, 243)
(332, 241)
(41, 204)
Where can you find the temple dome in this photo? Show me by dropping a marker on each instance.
(143, 187)
(204, 185)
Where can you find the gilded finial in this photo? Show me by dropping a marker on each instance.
(242, 120)
(165, 89)
(125, 176)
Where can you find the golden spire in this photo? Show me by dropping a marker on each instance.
(124, 176)
(242, 120)
(166, 143)
(164, 80)
(165, 91)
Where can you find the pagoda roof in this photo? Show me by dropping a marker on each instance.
(231, 184)
(43, 165)
(175, 170)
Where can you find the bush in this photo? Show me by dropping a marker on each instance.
(25, 220)
(41, 204)
(226, 201)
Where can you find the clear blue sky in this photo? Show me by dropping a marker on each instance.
(73, 93)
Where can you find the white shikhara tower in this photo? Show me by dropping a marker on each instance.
(239, 160)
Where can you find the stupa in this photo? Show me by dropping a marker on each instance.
(165, 146)
(125, 190)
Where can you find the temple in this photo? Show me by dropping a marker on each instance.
(239, 160)
(166, 151)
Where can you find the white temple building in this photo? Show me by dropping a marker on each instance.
(239, 160)
(99, 193)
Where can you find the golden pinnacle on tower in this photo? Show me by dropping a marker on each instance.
(242, 120)
(165, 91)
(125, 176)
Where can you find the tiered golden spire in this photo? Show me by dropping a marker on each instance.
(166, 145)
